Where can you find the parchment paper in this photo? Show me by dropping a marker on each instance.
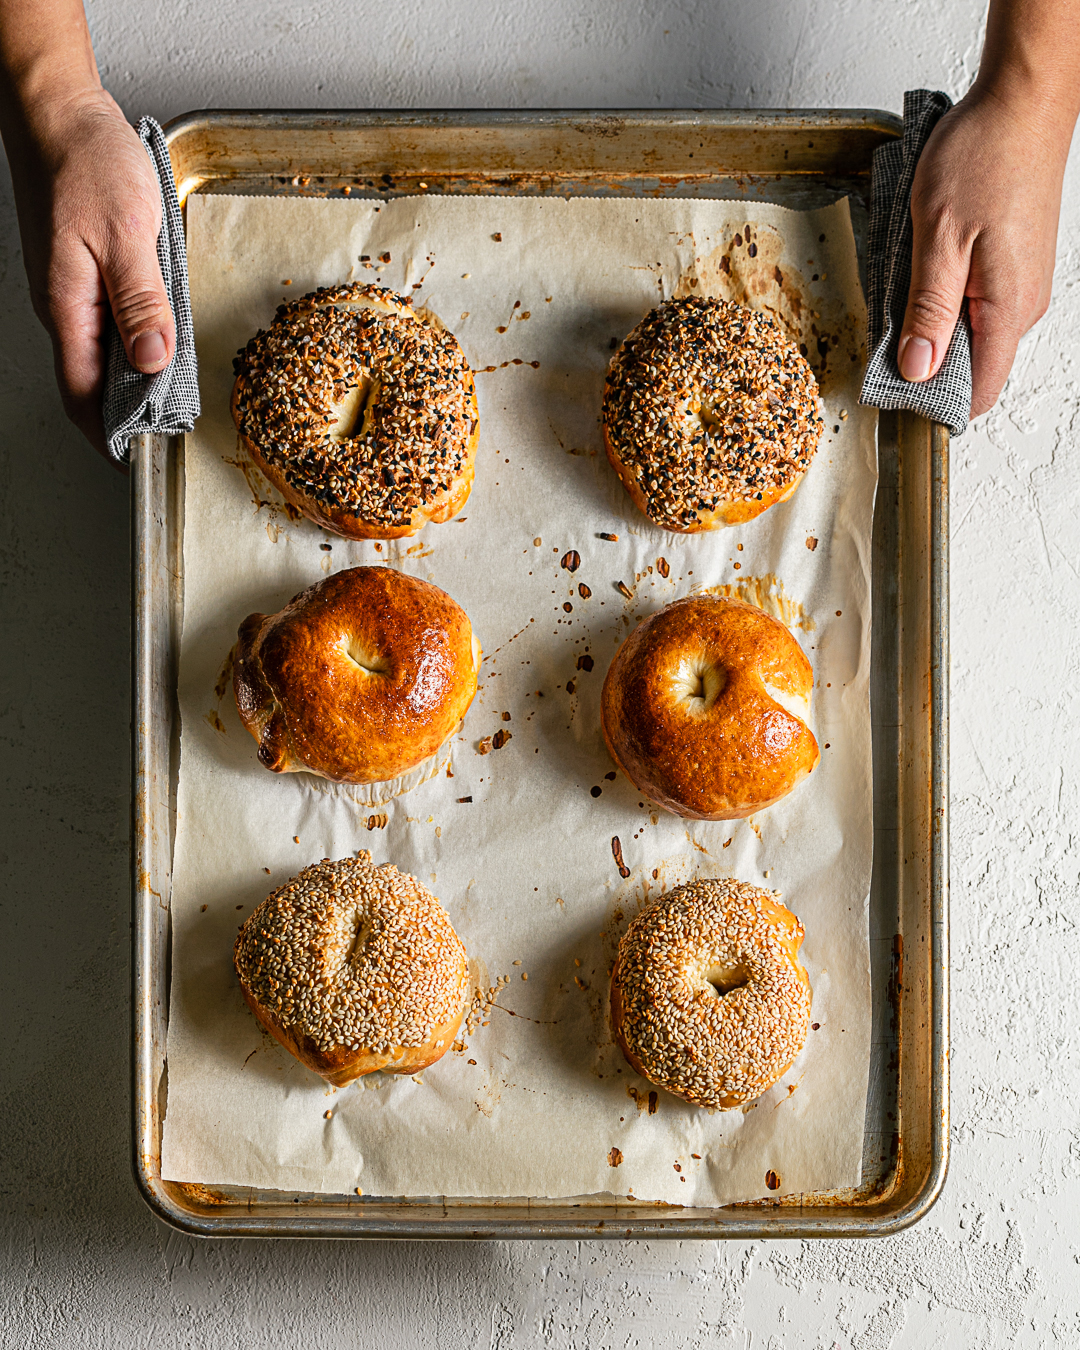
(518, 843)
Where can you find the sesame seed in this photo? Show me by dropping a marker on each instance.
(713, 1048)
(413, 442)
(352, 955)
(706, 404)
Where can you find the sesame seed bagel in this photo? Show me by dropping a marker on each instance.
(710, 414)
(361, 412)
(704, 709)
(354, 968)
(359, 678)
(708, 998)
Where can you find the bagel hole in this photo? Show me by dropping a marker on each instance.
(699, 682)
(708, 417)
(363, 932)
(354, 411)
(726, 979)
(371, 663)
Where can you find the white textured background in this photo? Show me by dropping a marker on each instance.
(82, 1263)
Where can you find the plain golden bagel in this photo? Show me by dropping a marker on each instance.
(360, 411)
(711, 414)
(708, 998)
(354, 968)
(358, 679)
(705, 709)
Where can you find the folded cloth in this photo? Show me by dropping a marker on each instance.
(947, 396)
(168, 402)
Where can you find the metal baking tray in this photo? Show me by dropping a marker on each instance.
(799, 159)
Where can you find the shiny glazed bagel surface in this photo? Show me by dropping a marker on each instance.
(354, 968)
(361, 412)
(708, 998)
(693, 709)
(358, 679)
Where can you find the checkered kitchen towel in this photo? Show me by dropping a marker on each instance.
(169, 401)
(947, 397)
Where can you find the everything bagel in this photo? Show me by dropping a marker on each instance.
(710, 414)
(361, 412)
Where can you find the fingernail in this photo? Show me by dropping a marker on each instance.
(148, 349)
(915, 357)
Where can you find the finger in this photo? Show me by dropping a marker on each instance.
(132, 277)
(84, 411)
(995, 335)
(75, 315)
(940, 261)
(1005, 298)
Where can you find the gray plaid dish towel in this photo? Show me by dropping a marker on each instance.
(947, 396)
(167, 402)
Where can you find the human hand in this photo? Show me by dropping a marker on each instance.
(89, 216)
(986, 199)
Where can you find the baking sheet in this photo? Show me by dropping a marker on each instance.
(526, 867)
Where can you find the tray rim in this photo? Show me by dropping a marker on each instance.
(545, 1222)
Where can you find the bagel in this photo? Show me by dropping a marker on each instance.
(359, 679)
(708, 998)
(354, 968)
(711, 414)
(361, 412)
(704, 708)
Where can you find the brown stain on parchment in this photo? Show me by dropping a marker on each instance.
(643, 1100)
(483, 998)
(747, 270)
(767, 592)
(222, 686)
(258, 486)
(224, 678)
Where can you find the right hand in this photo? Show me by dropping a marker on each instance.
(89, 216)
(984, 212)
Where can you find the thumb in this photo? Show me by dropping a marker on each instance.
(940, 263)
(139, 303)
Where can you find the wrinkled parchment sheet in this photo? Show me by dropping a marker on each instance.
(518, 842)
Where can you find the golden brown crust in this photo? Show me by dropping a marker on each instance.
(410, 457)
(338, 519)
(708, 998)
(341, 1065)
(618, 1023)
(687, 714)
(359, 679)
(733, 512)
(710, 414)
(354, 968)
